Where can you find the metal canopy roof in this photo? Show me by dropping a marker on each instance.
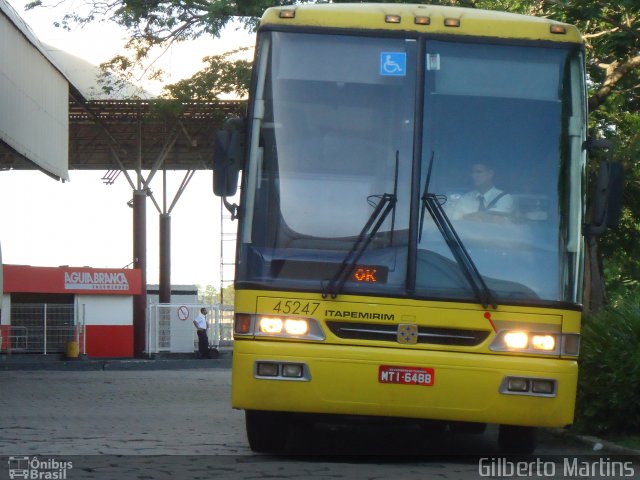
(106, 135)
(112, 134)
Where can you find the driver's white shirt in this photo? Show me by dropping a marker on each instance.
(470, 203)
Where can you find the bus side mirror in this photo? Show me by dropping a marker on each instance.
(227, 157)
(606, 205)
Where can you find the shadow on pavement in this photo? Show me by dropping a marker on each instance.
(364, 443)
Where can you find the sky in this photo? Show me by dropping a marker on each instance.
(83, 222)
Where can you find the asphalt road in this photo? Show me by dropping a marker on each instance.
(179, 424)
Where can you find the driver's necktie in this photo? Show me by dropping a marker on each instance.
(481, 205)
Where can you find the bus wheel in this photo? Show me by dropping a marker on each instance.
(267, 432)
(517, 440)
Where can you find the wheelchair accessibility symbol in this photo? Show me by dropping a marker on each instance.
(393, 64)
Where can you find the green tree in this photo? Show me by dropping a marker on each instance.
(161, 23)
(207, 294)
(228, 295)
(210, 295)
(222, 74)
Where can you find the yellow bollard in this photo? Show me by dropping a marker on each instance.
(72, 349)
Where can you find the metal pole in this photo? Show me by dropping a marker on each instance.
(183, 186)
(45, 328)
(148, 336)
(221, 253)
(140, 262)
(165, 259)
(84, 329)
(164, 191)
(216, 334)
(76, 323)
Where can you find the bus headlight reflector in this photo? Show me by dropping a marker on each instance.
(543, 342)
(292, 370)
(517, 340)
(270, 325)
(267, 369)
(517, 384)
(534, 387)
(276, 370)
(545, 387)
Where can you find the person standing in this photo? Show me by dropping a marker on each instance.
(200, 323)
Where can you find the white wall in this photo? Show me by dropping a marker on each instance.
(34, 100)
(182, 333)
(105, 309)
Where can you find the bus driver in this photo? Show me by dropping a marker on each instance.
(485, 202)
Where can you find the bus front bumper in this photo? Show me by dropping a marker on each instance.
(345, 380)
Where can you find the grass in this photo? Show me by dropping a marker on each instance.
(629, 441)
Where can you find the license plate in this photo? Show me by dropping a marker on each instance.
(406, 375)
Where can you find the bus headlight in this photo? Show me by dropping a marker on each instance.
(526, 342)
(516, 340)
(293, 326)
(270, 325)
(543, 342)
(288, 327)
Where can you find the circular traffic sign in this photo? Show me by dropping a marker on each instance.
(183, 312)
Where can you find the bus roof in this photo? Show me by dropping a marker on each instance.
(373, 16)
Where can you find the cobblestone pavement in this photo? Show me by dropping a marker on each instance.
(178, 424)
(177, 412)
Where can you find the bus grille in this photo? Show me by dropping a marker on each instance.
(426, 335)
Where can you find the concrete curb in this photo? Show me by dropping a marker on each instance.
(224, 361)
(598, 445)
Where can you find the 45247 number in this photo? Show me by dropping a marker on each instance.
(295, 307)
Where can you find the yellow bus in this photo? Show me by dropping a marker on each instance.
(410, 239)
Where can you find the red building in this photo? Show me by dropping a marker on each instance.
(45, 307)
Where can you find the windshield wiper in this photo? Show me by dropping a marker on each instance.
(431, 203)
(381, 211)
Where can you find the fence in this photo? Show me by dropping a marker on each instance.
(42, 328)
(170, 327)
(225, 317)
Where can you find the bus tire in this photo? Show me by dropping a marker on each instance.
(517, 440)
(267, 432)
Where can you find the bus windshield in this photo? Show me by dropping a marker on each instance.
(341, 124)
